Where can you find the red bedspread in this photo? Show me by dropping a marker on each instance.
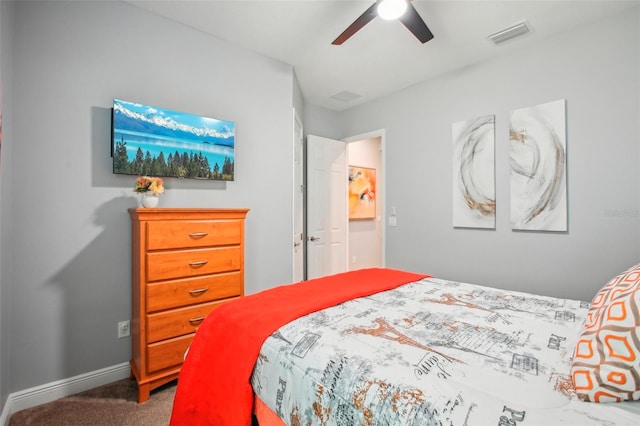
(214, 384)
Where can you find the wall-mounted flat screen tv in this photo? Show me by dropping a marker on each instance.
(153, 141)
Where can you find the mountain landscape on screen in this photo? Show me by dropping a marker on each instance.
(153, 141)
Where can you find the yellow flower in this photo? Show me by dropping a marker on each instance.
(155, 185)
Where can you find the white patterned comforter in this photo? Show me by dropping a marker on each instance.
(433, 352)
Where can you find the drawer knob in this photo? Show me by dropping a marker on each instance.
(198, 234)
(196, 321)
(198, 263)
(198, 292)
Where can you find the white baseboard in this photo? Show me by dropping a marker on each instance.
(59, 389)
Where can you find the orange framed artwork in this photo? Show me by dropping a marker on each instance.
(362, 193)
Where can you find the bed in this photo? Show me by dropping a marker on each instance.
(388, 347)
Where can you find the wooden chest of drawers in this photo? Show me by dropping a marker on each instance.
(185, 263)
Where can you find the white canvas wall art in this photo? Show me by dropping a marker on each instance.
(537, 141)
(474, 200)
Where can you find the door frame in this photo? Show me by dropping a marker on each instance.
(299, 188)
(381, 133)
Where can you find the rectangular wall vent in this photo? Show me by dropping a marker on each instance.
(510, 32)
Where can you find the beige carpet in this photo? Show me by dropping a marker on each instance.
(114, 404)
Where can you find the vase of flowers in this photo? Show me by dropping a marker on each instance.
(150, 188)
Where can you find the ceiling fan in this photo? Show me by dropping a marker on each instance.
(390, 9)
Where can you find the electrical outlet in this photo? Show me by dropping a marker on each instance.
(124, 329)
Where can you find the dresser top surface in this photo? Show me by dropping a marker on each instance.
(168, 213)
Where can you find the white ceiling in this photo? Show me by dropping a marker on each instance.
(384, 56)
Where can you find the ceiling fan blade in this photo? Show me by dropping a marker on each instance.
(363, 20)
(412, 20)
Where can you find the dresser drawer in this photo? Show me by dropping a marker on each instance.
(178, 322)
(174, 294)
(169, 353)
(169, 234)
(167, 265)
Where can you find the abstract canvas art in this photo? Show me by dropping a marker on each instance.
(537, 141)
(474, 200)
(362, 193)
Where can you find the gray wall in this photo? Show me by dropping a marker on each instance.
(320, 121)
(69, 233)
(6, 49)
(597, 72)
(298, 99)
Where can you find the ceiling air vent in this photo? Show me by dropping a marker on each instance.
(345, 96)
(510, 32)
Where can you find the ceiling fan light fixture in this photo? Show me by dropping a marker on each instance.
(391, 9)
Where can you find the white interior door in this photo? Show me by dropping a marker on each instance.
(326, 206)
(298, 201)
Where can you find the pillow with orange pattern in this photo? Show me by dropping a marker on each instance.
(606, 361)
